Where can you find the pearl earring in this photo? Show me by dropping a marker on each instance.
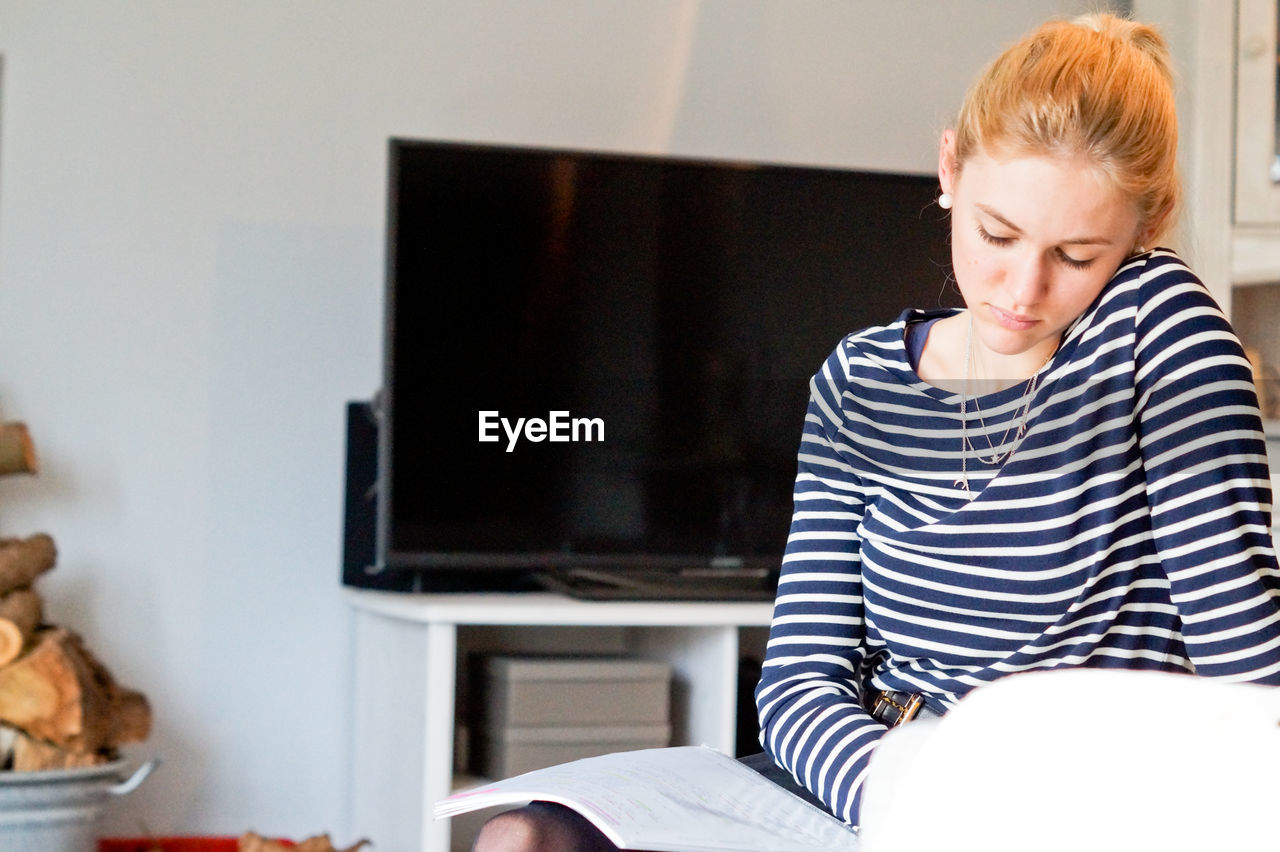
(944, 201)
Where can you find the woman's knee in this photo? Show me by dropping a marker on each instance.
(541, 827)
(508, 832)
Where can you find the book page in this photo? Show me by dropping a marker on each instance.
(683, 799)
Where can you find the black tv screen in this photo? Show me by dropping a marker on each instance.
(603, 359)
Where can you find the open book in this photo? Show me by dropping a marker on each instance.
(682, 799)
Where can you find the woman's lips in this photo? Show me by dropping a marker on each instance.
(1012, 321)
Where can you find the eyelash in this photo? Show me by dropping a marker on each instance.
(1062, 256)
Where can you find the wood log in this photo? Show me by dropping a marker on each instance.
(32, 755)
(50, 693)
(61, 693)
(24, 559)
(8, 736)
(130, 716)
(20, 613)
(17, 452)
(253, 842)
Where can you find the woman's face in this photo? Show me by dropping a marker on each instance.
(1034, 240)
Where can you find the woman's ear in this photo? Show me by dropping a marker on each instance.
(947, 161)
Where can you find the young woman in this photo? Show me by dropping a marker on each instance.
(1070, 471)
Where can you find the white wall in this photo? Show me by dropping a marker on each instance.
(191, 213)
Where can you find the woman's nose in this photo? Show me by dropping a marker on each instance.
(1028, 279)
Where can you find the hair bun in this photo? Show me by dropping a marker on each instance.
(1144, 37)
(1099, 86)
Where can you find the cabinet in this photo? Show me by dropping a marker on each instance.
(1226, 55)
(1257, 155)
(1255, 236)
(409, 685)
(1255, 201)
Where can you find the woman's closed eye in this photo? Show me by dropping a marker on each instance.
(1003, 241)
(992, 238)
(1074, 263)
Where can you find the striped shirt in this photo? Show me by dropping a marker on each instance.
(1129, 527)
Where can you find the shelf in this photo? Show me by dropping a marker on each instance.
(409, 649)
(1255, 255)
(548, 608)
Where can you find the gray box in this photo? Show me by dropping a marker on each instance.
(505, 752)
(561, 692)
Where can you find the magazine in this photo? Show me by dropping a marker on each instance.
(680, 799)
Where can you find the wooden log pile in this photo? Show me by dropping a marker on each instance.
(253, 842)
(60, 707)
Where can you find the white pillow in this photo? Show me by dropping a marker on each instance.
(1083, 759)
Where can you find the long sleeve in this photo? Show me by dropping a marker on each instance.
(1129, 528)
(1207, 479)
(811, 720)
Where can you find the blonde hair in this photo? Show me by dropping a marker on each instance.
(1099, 86)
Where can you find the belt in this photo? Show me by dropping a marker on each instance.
(897, 708)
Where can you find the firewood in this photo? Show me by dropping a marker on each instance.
(17, 453)
(20, 613)
(59, 692)
(24, 559)
(8, 736)
(32, 755)
(130, 716)
(128, 719)
(51, 693)
(251, 842)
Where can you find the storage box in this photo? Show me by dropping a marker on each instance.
(540, 711)
(511, 751)
(564, 692)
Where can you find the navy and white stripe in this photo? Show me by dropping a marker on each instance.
(1130, 528)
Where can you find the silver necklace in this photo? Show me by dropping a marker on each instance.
(1019, 420)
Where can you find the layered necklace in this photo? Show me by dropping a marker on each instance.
(1017, 424)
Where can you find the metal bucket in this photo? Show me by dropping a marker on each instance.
(57, 810)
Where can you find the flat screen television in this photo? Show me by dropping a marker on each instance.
(597, 363)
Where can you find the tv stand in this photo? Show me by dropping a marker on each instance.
(409, 650)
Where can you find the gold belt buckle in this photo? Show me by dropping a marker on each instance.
(896, 708)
